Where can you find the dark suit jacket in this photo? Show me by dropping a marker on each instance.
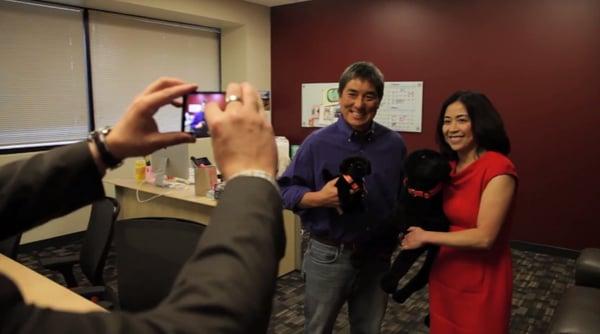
(226, 287)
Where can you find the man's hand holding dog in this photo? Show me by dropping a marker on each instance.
(326, 197)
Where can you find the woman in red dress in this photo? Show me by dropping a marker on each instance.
(470, 285)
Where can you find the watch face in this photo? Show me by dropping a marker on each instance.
(99, 137)
(105, 130)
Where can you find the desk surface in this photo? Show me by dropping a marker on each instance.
(183, 191)
(41, 291)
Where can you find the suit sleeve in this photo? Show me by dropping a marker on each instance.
(227, 286)
(47, 186)
(229, 283)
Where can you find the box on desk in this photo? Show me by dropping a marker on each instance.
(205, 178)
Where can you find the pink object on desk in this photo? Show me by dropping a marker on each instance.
(205, 178)
(149, 176)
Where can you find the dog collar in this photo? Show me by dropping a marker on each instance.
(353, 185)
(424, 194)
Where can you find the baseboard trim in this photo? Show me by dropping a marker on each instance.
(55, 242)
(544, 249)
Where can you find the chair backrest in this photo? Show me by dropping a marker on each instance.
(150, 254)
(10, 246)
(97, 239)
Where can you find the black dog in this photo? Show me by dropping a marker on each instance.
(351, 183)
(420, 205)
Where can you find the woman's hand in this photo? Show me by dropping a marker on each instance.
(415, 238)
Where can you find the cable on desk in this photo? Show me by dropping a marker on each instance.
(172, 186)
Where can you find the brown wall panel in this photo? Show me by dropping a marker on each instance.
(538, 60)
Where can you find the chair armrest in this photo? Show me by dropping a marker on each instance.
(587, 268)
(64, 265)
(55, 262)
(577, 312)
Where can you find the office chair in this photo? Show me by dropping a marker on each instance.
(150, 254)
(10, 246)
(92, 257)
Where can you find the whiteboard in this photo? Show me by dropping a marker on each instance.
(401, 108)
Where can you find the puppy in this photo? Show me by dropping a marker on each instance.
(420, 205)
(351, 183)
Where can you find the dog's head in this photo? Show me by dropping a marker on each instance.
(350, 184)
(426, 170)
(356, 167)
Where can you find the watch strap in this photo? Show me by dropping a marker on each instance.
(98, 137)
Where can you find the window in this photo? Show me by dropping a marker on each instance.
(43, 89)
(127, 53)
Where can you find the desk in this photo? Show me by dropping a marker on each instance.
(41, 291)
(181, 202)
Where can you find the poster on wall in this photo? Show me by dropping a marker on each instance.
(400, 110)
(320, 104)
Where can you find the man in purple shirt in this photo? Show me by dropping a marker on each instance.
(334, 273)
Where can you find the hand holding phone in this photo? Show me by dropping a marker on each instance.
(194, 105)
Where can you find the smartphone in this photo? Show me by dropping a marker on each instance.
(194, 105)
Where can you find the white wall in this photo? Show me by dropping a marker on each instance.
(245, 56)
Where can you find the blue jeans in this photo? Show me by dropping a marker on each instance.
(331, 280)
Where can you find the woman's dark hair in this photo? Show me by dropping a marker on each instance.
(362, 70)
(486, 124)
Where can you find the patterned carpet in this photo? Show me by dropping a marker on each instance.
(539, 282)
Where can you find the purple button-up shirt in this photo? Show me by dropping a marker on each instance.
(325, 149)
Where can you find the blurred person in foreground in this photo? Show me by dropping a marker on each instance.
(228, 283)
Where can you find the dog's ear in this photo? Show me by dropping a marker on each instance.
(327, 176)
(446, 169)
(367, 167)
(441, 167)
(345, 166)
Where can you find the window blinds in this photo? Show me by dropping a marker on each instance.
(128, 53)
(43, 93)
(43, 70)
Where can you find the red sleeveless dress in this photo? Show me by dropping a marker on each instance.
(470, 291)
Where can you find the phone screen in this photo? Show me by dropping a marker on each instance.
(194, 105)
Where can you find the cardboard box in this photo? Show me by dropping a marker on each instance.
(205, 178)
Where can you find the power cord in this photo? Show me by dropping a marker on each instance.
(171, 185)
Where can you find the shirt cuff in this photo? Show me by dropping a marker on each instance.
(256, 173)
